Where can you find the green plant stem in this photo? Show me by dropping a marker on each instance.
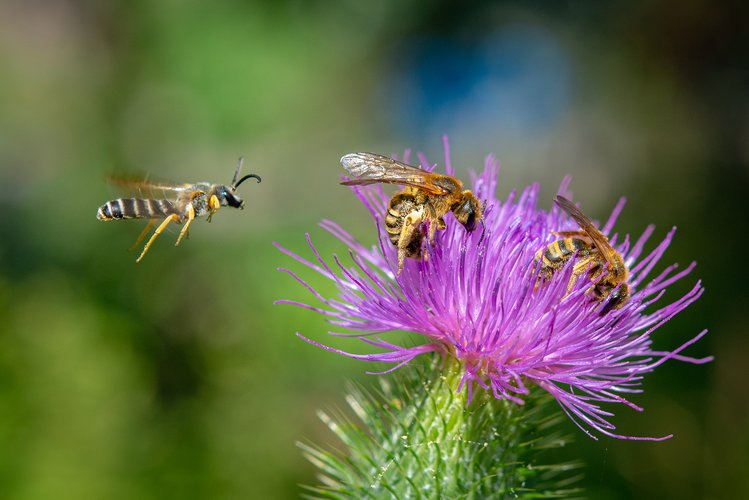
(418, 438)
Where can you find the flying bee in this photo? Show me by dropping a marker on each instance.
(596, 256)
(180, 203)
(427, 197)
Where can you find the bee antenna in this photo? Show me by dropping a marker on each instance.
(234, 186)
(483, 225)
(483, 231)
(236, 174)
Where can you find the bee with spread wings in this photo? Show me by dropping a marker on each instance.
(428, 197)
(597, 257)
(178, 203)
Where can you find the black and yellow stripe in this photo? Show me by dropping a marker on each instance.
(400, 206)
(398, 209)
(562, 250)
(394, 224)
(136, 208)
(557, 254)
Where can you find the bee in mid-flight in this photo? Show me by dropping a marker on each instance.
(179, 203)
(596, 256)
(427, 197)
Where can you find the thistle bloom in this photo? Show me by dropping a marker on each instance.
(476, 302)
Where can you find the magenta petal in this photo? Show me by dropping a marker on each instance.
(477, 302)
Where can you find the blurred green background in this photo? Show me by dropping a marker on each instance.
(177, 377)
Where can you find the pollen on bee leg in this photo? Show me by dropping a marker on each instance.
(415, 216)
(433, 222)
(410, 226)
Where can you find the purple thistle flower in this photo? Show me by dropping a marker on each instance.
(478, 304)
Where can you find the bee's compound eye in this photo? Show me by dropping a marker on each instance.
(233, 201)
(616, 300)
(470, 224)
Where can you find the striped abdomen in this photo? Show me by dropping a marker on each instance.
(400, 206)
(137, 208)
(556, 254)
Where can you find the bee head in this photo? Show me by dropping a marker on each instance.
(468, 210)
(617, 298)
(226, 194)
(227, 197)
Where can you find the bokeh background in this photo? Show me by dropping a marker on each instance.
(177, 377)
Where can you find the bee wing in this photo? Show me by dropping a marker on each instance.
(369, 168)
(145, 186)
(599, 240)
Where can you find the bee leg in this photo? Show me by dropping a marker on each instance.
(541, 274)
(143, 234)
(214, 205)
(403, 243)
(190, 217)
(580, 268)
(546, 274)
(158, 231)
(573, 280)
(433, 223)
(410, 225)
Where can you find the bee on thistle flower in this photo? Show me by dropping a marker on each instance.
(478, 301)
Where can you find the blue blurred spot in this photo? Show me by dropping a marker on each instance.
(517, 78)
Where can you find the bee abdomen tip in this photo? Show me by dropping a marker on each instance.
(103, 213)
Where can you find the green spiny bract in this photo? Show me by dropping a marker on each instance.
(419, 440)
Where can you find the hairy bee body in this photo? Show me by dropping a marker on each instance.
(602, 264)
(188, 202)
(400, 207)
(427, 198)
(558, 253)
(196, 197)
(137, 208)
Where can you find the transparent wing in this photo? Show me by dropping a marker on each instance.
(599, 240)
(370, 168)
(145, 186)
